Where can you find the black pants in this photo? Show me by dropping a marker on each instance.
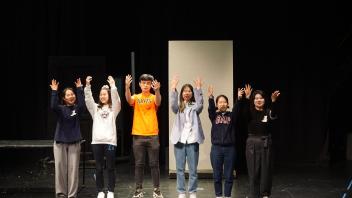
(259, 164)
(142, 145)
(109, 151)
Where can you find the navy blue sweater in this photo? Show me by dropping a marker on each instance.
(222, 125)
(68, 126)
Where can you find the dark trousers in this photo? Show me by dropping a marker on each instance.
(223, 163)
(99, 151)
(259, 164)
(141, 146)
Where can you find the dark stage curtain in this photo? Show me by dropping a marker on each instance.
(302, 50)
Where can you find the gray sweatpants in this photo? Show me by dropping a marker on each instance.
(66, 169)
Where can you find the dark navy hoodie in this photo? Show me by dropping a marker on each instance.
(68, 126)
(222, 129)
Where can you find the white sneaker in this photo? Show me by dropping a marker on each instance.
(157, 193)
(193, 195)
(110, 195)
(138, 193)
(101, 195)
(266, 197)
(182, 195)
(220, 197)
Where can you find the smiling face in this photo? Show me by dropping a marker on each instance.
(104, 96)
(222, 103)
(69, 97)
(259, 101)
(187, 94)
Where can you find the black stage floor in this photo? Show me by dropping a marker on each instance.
(27, 177)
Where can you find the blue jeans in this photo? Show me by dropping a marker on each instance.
(191, 153)
(223, 163)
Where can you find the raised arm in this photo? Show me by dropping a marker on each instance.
(273, 109)
(236, 107)
(211, 107)
(128, 96)
(115, 98)
(156, 87)
(174, 94)
(198, 95)
(54, 101)
(80, 95)
(243, 102)
(90, 103)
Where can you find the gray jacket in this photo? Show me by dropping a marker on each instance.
(179, 122)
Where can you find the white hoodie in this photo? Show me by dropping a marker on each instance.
(104, 119)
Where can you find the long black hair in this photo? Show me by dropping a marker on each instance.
(182, 105)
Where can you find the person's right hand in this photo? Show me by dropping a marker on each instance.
(88, 79)
(248, 90)
(198, 82)
(128, 81)
(210, 91)
(174, 82)
(240, 92)
(54, 85)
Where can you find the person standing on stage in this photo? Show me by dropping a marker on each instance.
(260, 118)
(67, 147)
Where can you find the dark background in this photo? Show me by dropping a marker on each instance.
(302, 49)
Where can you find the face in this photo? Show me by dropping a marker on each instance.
(222, 104)
(145, 85)
(104, 96)
(70, 97)
(187, 94)
(259, 101)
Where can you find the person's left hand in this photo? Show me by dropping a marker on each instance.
(78, 83)
(198, 82)
(111, 81)
(275, 95)
(156, 85)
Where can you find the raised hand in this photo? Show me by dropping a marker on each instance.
(78, 82)
(128, 81)
(54, 85)
(156, 85)
(248, 90)
(198, 82)
(240, 92)
(111, 81)
(88, 79)
(210, 90)
(174, 82)
(275, 95)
